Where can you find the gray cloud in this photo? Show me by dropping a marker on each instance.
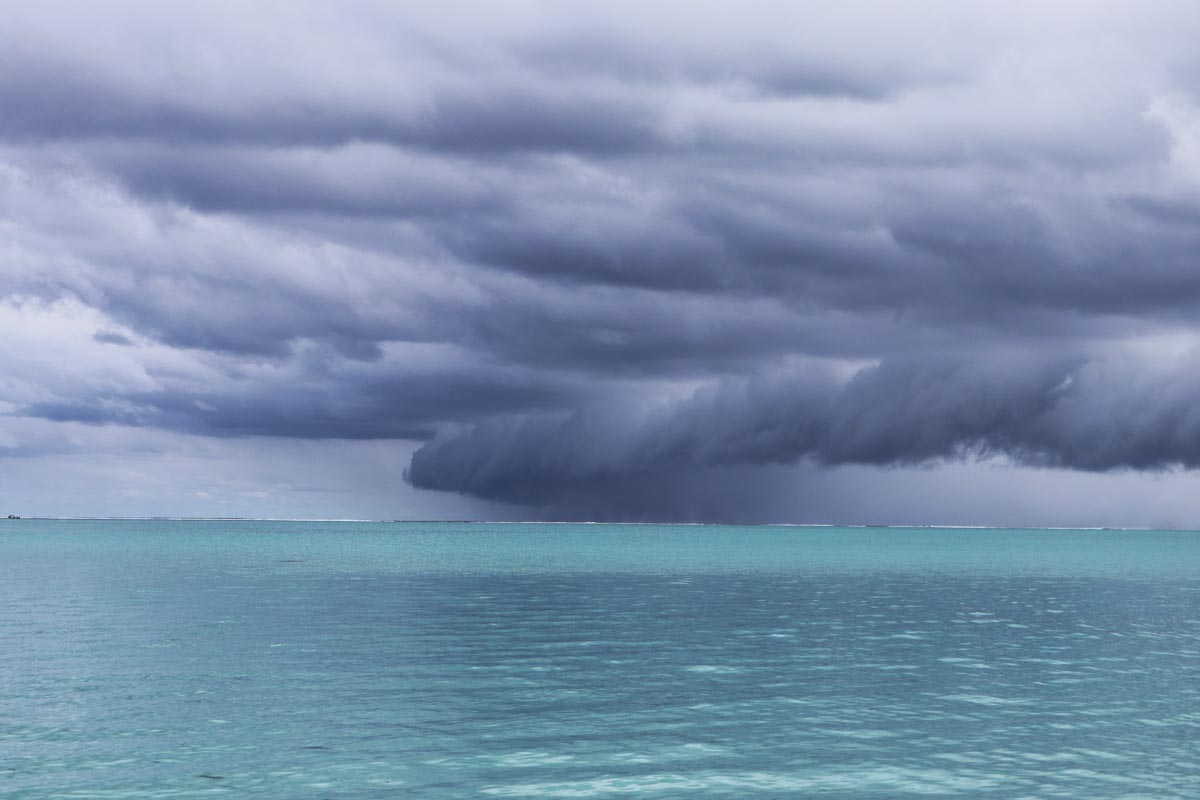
(1046, 411)
(609, 254)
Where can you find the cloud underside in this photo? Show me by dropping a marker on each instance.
(1044, 412)
(582, 256)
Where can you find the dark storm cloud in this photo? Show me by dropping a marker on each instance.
(593, 254)
(356, 182)
(45, 102)
(642, 58)
(1044, 411)
(402, 406)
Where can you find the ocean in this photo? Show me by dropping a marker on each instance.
(252, 659)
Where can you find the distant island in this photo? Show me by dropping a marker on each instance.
(13, 516)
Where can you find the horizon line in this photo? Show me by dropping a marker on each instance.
(897, 526)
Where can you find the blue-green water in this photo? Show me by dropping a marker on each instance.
(337, 660)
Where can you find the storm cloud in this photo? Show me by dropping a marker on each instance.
(574, 258)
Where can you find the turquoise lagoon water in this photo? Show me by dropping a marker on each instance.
(335, 660)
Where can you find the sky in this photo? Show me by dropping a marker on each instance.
(907, 263)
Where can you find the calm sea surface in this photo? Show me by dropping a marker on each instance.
(335, 660)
